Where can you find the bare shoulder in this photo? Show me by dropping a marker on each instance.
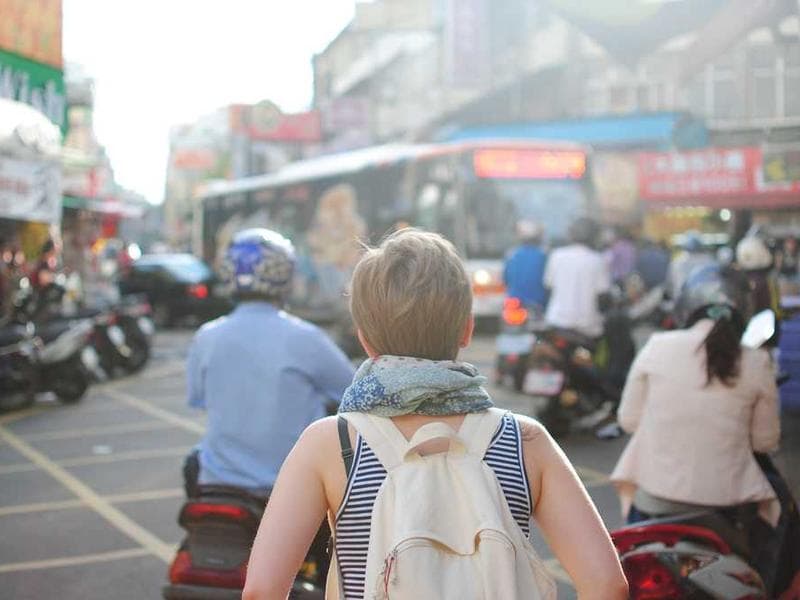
(320, 433)
(530, 429)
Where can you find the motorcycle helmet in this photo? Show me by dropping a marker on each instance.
(584, 230)
(259, 263)
(528, 230)
(691, 242)
(752, 254)
(713, 285)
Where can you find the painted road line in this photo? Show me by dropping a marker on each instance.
(100, 459)
(66, 434)
(154, 411)
(162, 494)
(168, 369)
(18, 468)
(16, 416)
(73, 561)
(113, 515)
(21, 509)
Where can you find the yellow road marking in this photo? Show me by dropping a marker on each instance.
(100, 459)
(146, 495)
(71, 561)
(155, 411)
(17, 468)
(16, 416)
(21, 509)
(66, 434)
(117, 518)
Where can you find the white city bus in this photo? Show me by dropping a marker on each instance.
(474, 193)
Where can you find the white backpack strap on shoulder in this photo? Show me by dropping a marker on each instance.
(383, 438)
(478, 429)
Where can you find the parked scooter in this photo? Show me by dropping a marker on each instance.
(53, 356)
(211, 563)
(707, 554)
(135, 318)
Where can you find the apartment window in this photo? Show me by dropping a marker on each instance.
(763, 80)
(697, 94)
(791, 87)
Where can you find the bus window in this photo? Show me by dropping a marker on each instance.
(495, 206)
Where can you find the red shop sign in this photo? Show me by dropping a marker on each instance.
(713, 176)
(699, 173)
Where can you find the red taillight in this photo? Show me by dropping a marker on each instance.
(183, 572)
(513, 312)
(629, 538)
(199, 291)
(560, 343)
(205, 510)
(648, 579)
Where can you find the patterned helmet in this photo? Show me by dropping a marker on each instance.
(259, 262)
(713, 285)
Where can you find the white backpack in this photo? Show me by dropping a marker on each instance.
(441, 527)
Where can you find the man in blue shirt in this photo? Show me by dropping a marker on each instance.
(524, 269)
(262, 375)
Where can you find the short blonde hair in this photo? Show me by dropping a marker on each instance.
(411, 296)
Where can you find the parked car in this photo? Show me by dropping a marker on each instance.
(178, 287)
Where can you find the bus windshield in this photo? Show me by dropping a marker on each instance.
(495, 206)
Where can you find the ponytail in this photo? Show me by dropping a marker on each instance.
(722, 344)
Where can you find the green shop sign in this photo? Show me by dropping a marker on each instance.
(36, 84)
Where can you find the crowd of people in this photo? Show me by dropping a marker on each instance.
(411, 303)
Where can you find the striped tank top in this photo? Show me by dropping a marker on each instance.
(504, 456)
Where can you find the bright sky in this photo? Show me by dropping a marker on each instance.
(159, 63)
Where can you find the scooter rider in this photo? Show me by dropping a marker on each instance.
(699, 405)
(523, 272)
(261, 374)
(578, 277)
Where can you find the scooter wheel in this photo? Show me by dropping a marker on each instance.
(140, 354)
(70, 390)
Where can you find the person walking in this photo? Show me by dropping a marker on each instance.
(429, 489)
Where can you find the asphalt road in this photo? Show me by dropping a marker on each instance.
(89, 493)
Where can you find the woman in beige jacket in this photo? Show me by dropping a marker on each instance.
(698, 405)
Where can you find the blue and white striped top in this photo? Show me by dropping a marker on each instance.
(504, 456)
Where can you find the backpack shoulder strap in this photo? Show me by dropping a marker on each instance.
(383, 438)
(478, 429)
(344, 443)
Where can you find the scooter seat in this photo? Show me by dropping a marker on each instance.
(12, 334)
(52, 329)
(574, 338)
(723, 526)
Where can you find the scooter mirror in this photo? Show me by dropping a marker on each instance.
(760, 328)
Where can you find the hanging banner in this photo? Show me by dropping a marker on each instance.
(30, 190)
(38, 85)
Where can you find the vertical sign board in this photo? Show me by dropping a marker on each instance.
(467, 47)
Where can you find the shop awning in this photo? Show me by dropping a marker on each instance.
(110, 207)
(658, 130)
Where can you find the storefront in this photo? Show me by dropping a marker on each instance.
(713, 189)
(30, 177)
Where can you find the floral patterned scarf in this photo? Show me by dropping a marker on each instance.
(389, 386)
